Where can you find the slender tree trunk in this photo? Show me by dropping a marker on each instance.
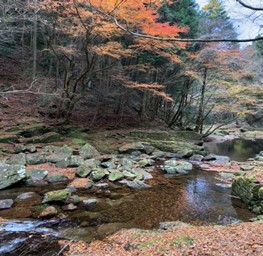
(200, 115)
(34, 46)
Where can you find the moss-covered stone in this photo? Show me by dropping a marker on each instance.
(57, 195)
(114, 176)
(45, 138)
(7, 138)
(249, 191)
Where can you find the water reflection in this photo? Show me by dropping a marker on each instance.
(237, 149)
(194, 198)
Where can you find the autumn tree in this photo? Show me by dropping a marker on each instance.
(85, 43)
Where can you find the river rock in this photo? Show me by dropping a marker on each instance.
(57, 195)
(136, 184)
(98, 174)
(136, 146)
(116, 175)
(28, 198)
(157, 154)
(103, 185)
(34, 159)
(6, 203)
(88, 151)
(89, 202)
(55, 178)
(69, 207)
(109, 165)
(48, 212)
(126, 164)
(37, 174)
(197, 158)
(45, 138)
(75, 161)
(177, 167)
(217, 159)
(11, 174)
(18, 159)
(146, 162)
(87, 167)
(129, 175)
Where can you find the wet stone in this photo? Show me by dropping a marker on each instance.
(6, 203)
(91, 201)
(18, 159)
(34, 159)
(28, 198)
(56, 178)
(69, 207)
(37, 174)
(48, 212)
(102, 185)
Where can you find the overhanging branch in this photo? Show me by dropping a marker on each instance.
(233, 40)
(249, 6)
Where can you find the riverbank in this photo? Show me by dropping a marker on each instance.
(71, 173)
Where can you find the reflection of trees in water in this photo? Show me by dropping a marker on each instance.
(237, 149)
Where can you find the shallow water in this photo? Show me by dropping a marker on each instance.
(237, 149)
(197, 198)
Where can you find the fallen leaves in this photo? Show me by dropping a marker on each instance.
(233, 240)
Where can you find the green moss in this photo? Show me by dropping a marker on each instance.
(6, 138)
(183, 240)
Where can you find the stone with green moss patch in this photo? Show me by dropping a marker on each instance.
(57, 195)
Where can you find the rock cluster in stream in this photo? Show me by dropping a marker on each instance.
(132, 167)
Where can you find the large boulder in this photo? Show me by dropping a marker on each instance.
(177, 167)
(11, 174)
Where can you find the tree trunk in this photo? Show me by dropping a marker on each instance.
(200, 115)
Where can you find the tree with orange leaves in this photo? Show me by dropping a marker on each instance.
(85, 43)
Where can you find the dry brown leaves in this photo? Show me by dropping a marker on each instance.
(244, 239)
(80, 183)
(52, 169)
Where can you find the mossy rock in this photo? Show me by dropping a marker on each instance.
(56, 178)
(7, 138)
(78, 141)
(33, 130)
(57, 195)
(152, 135)
(181, 149)
(45, 138)
(249, 191)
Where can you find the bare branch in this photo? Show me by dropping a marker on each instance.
(249, 6)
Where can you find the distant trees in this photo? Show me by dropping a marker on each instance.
(152, 57)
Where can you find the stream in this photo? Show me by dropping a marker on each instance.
(198, 198)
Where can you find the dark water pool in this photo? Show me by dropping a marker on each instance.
(237, 149)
